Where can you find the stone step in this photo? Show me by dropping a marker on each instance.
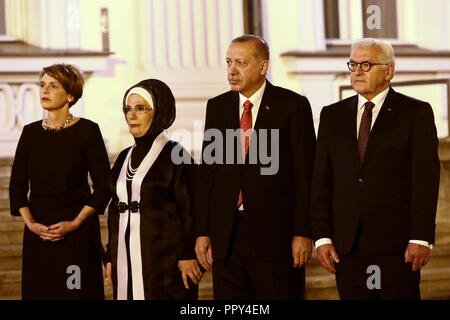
(5, 216)
(435, 284)
(10, 285)
(317, 287)
(439, 257)
(4, 193)
(436, 295)
(11, 290)
(10, 257)
(12, 250)
(435, 280)
(13, 276)
(442, 233)
(4, 181)
(10, 263)
(205, 289)
(4, 204)
(11, 237)
(321, 287)
(7, 226)
(5, 167)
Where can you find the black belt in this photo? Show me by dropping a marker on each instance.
(133, 207)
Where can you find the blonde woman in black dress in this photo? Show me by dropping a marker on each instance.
(61, 246)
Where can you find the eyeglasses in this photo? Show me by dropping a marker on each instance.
(365, 65)
(138, 109)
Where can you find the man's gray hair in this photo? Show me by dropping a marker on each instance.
(385, 49)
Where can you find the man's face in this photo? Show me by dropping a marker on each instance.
(372, 82)
(245, 72)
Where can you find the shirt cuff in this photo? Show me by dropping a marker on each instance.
(423, 243)
(323, 241)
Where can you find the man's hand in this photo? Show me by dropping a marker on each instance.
(191, 269)
(301, 250)
(418, 255)
(327, 255)
(204, 252)
(108, 273)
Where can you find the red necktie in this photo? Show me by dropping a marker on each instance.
(246, 126)
(364, 129)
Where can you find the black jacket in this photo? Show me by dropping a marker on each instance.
(167, 225)
(393, 193)
(277, 205)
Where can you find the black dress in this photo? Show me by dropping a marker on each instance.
(54, 167)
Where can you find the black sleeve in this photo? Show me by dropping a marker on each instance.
(183, 188)
(425, 174)
(302, 144)
(321, 192)
(19, 183)
(99, 170)
(205, 179)
(112, 209)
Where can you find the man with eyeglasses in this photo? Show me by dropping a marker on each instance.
(375, 183)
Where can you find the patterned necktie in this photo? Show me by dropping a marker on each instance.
(364, 129)
(246, 126)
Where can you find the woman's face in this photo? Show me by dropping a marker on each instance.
(53, 96)
(140, 115)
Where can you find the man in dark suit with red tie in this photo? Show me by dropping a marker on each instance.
(253, 220)
(375, 183)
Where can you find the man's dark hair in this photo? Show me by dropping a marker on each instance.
(262, 49)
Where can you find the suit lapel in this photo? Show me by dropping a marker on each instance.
(265, 108)
(349, 127)
(233, 116)
(381, 123)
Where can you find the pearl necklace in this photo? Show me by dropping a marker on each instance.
(130, 171)
(66, 123)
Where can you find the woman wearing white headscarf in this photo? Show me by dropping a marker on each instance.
(150, 221)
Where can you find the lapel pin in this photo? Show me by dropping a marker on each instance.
(389, 109)
(267, 108)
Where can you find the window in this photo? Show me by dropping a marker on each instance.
(347, 20)
(385, 11)
(253, 17)
(331, 12)
(2, 18)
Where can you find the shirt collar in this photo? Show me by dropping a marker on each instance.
(255, 99)
(378, 100)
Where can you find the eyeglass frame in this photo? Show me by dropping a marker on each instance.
(134, 109)
(371, 64)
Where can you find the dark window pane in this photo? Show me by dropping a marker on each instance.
(331, 15)
(387, 13)
(2, 17)
(253, 17)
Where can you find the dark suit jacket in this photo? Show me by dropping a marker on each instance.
(393, 192)
(167, 226)
(276, 205)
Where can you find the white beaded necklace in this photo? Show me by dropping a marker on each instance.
(130, 171)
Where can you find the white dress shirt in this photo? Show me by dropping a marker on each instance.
(378, 100)
(255, 99)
